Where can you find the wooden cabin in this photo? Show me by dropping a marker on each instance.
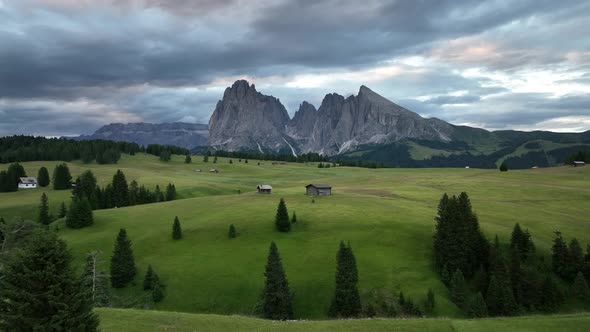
(264, 189)
(318, 190)
(27, 182)
(578, 163)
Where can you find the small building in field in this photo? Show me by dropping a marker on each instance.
(264, 188)
(27, 183)
(318, 190)
(578, 163)
(214, 170)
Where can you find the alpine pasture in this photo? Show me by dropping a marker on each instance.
(387, 216)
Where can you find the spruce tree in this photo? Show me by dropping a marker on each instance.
(459, 289)
(157, 292)
(188, 159)
(560, 257)
(148, 279)
(133, 193)
(123, 268)
(63, 211)
(40, 291)
(232, 231)
(576, 259)
(580, 288)
(170, 192)
(551, 297)
(429, 302)
(95, 280)
(500, 297)
(79, 214)
(282, 218)
(62, 177)
(503, 167)
(346, 301)
(206, 159)
(521, 242)
(165, 155)
(86, 187)
(6, 183)
(120, 190)
(294, 218)
(15, 172)
(176, 229)
(476, 307)
(276, 296)
(43, 177)
(44, 218)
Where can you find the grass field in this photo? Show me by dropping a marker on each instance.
(147, 321)
(386, 214)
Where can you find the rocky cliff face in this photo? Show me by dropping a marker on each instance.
(186, 135)
(245, 119)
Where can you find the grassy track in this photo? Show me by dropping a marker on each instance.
(386, 214)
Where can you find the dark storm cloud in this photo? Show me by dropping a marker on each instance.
(151, 59)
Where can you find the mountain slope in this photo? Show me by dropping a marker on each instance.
(186, 135)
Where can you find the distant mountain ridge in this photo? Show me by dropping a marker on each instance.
(364, 126)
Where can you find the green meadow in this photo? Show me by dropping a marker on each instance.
(387, 215)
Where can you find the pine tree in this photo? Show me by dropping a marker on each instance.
(206, 159)
(282, 218)
(576, 259)
(148, 280)
(459, 289)
(123, 268)
(120, 190)
(6, 183)
(232, 231)
(503, 167)
(429, 302)
(476, 307)
(346, 301)
(40, 291)
(43, 177)
(133, 193)
(551, 297)
(95, 280)
(15, 172)
(62, 210)
(44, 218)
(580, 288)
(500, 297)
(170, 192)
(560, 257)
(62, 177)
(188, 159)
(157, 292)
(231, 161)
(294, 218)
(165, 155)
(86, 187)
(79, 214)
(176, 230)
(215, 160)
(276, 296)
(521, 242)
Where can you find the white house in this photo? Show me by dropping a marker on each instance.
(28, 183)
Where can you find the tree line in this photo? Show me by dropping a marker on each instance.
(302, 158)
(502, 280)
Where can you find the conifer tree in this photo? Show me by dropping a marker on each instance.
(476, 307)
(6, 183)
(170, 192)
(123, 268)
(157, 292)
(503, 167)
(276, 296)
(44, 218)
(43, 177)
(40, 291)
(459, 289)
(15, 172)
(231, 161)
(149, 278)
(62, 177)
(580, 288)
(188, 159)
(86, 187)
(521, 242)
(133, 193)
(500, 297)
(95, 280)
(551, 297)
(282, 218)
(576, 259)
(165, 155)
(120, 190)
(206, 159)
(215, 160)
(294, 218)
(176, 229)
(62, 210)
(232, 231)
(79, 214)
(346, 301)
(429, 302)
(560, 257)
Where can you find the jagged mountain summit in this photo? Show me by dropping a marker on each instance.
(185, 135)
(245, 119)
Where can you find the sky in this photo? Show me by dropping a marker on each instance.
(68, 67)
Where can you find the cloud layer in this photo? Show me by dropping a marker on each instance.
(68, 67)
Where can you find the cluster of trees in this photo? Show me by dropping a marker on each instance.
(282, 222)
(578, 156)
(118, 193)
(157, 150)
(363, 163)
(306, 157)
(10, 178)
(498, 280)
(30, 148)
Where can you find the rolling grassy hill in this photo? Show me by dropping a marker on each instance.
(386, 214)
(147, 321)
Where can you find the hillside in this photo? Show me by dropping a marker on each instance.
(386, 214)
(148, 321)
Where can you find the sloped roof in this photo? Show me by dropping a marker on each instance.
(264, 186)
(28, 180)
(319, 186)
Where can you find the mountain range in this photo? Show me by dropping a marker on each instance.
(365, 126)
